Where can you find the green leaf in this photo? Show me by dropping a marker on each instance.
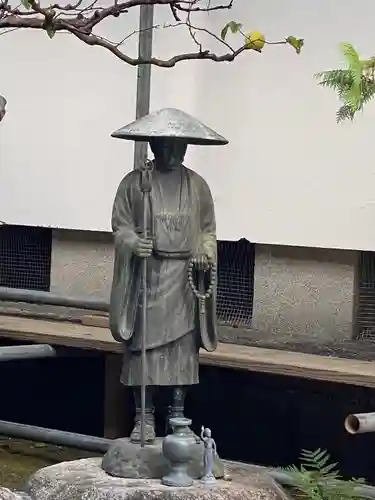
(369, 64)
(232, 26)
(351, 56)
(26, 4)
(296, 43)
(50, 32)
(352, 97)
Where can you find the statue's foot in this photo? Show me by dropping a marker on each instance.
(135, 436)
(208, 479)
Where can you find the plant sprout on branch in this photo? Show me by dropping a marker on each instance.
(83, 20)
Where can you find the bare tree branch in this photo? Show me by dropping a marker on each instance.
(81, 21)
(193, 7)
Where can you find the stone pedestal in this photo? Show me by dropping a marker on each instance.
(128, 460)
(6, 494)
(86, 479)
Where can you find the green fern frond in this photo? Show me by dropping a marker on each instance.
(352, 58)
(316, 459)
(354, 85)
(318, 479)
(337, 79)
(368, 89)
(345, 112)
(355, 66)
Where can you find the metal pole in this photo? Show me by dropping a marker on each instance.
(53, 436)
(359, 423)
(145, 185)
(20, 352)
(144, 324)
(146, 22)
(47, 298)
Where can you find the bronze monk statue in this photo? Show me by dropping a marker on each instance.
(181, 230)
(3, 103)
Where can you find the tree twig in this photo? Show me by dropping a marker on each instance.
(81, 21)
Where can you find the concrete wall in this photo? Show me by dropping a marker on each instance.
(82, 263)
(304, 291)
(296, 290)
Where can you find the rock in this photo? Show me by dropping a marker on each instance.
(6, 494)
(128, 460)
(85, 479)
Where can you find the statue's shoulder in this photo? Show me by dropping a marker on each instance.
(199, 183)
(195, 177)
(129, 180)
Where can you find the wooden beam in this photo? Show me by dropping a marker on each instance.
(62, 333)
(292, 364)
(238, 357)
(95, 320)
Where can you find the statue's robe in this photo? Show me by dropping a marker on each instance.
(181, 220)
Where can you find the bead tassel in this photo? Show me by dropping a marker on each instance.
(213, 274)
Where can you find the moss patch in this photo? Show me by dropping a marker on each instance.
(19, 459)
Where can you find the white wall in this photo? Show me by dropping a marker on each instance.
(290, 174)
(58, 164)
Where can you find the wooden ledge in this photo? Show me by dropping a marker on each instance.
(61, 333)
(346, 371)
(292, 364)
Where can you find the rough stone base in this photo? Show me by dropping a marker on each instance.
(85, 479)
(6, 494)
(128, 460)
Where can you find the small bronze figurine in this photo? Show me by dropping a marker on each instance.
(164, 227)
(208, 455)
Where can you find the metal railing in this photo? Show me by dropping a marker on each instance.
(19, 352)
(53, 436)
(34, 433)
(51, 299)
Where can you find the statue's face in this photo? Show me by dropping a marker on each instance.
(168, 152)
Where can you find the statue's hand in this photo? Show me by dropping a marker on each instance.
(143, 247)
(201, 262)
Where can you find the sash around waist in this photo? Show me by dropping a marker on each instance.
(174, 254)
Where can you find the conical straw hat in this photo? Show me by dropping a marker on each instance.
(171, 123)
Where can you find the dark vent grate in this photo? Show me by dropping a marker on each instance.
(25, 257)
(365, 320)
(235, 282)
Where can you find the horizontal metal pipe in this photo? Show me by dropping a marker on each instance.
(50, 299)
(359, 423)
(284, 479)
(19, 352)
(53, 436)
